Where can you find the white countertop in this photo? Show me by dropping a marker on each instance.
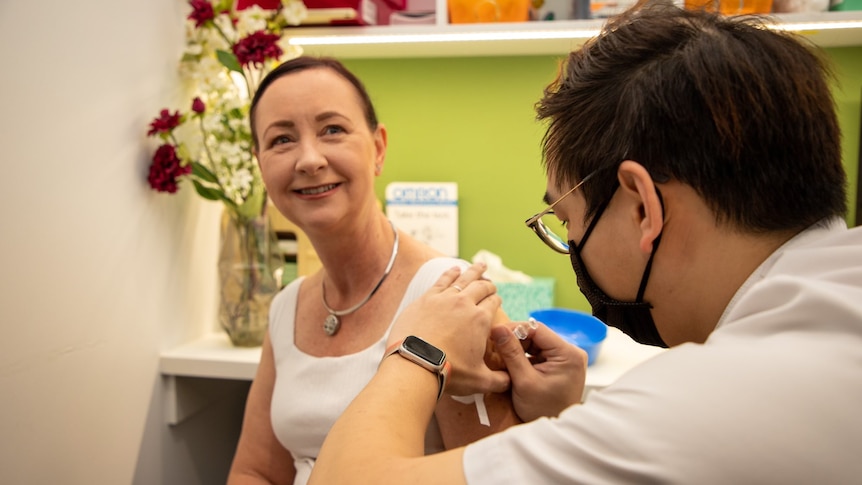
(618, 354)
(213, 356)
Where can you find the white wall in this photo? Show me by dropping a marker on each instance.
(99, 273)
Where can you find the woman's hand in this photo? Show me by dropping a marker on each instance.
(455, 315)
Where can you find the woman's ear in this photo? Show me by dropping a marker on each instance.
(636, 182)
(380, 143)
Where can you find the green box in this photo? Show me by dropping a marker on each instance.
(838, 5)
(519, 299)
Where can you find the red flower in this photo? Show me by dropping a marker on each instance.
(257, 48)
(202, 12)
(166, 169)
(165, 123)
(198, 105)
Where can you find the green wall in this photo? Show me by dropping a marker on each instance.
(848, 90)
(471, 121)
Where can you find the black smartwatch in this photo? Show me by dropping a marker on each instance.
(424, 355)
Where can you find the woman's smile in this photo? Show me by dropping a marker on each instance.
(320, 189)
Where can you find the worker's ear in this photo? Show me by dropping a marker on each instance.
(646, 207)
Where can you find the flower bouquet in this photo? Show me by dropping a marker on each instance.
(229, 49)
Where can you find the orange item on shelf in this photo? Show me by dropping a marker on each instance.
(478, 11)
(731, 7)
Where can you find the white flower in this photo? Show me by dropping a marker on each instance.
(236, 124)
(214, 41)
(211, 75)
(241, 85)
(193, 34)
(290, 51)
(208, 39)
(231, 153)
(242, 179)
(212, 121)
(225, 24)
(194, 49)
(293, 11)
(233, 102)
(250, 20)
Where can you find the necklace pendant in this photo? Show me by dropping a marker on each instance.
(331, 325)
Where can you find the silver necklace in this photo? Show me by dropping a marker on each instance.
(332, 324)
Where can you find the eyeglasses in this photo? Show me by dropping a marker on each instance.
(547, 236)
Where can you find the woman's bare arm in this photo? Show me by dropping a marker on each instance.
(459, 422)
(260, 458)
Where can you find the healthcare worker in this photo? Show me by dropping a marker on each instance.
(695, 160)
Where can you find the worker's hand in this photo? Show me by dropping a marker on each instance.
(547, 373)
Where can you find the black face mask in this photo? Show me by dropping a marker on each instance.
(633, 318)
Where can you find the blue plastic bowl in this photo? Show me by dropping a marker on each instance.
(579, 328)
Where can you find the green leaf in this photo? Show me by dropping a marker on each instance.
(202, 172)
(183, 152)
(253, 204)
(229, 204)
(229, 60)
(207, 192)
(223, 5)
(190, 58)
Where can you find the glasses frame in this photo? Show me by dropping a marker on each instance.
(546, 235)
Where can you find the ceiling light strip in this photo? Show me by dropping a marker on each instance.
(803, 26)
(442, 37)
(516, 35)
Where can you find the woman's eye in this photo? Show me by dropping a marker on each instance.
(279, 140)
(333, 129)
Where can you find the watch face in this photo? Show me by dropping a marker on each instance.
(425, 350)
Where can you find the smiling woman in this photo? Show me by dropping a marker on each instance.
(320, 149)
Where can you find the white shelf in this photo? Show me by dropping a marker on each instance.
(827, 29)
(188, 368)
(201, 372)
(211, 356)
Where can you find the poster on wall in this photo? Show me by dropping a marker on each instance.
(428, 211)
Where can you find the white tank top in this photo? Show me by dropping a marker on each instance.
(311, 392)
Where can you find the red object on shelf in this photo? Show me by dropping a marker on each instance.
(265, 4)
(352, 12)
(339, 12)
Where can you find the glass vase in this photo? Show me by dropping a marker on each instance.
(249, 265)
